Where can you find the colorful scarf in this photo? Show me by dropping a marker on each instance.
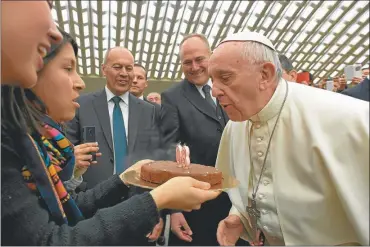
(57, 155)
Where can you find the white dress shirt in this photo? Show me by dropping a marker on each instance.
(200, 89)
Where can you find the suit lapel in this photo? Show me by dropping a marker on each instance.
(101, 109)
(193, 95)
(134, 112)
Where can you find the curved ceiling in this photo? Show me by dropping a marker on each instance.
(319, 36)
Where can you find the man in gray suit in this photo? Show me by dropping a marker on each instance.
(126, 128)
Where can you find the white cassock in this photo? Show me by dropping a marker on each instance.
(315, 190)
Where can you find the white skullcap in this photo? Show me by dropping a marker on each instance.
(249, 36)
(366, 66)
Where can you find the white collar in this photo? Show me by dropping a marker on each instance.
(110, 95)
(209, 83)
(273, 106)
(141, 97)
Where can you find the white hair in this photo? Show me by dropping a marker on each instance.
(255, 52)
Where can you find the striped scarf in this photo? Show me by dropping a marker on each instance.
(57, 156)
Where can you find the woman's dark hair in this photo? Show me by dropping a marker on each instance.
(18, 114)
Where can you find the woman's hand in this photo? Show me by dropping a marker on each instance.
(183, 193)
(83, 158)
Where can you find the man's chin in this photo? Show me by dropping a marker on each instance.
(199, 81)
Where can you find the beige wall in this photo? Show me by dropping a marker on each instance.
(96, 83)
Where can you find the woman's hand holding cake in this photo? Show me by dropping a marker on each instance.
(183, 193)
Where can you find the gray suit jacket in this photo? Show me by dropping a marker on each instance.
(144, 139)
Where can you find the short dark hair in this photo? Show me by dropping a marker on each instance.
(141, 66)
(285, 63)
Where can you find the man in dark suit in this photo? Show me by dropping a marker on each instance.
(126, 128)
(360, 91)
(190, 115)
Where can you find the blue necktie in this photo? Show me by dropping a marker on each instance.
(119, 137)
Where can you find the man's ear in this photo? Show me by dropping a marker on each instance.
(268, 75)
(103, 68)
(294, 75)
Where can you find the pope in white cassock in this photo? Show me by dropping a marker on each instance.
(301, 154)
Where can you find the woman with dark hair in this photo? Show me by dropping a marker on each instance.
(37, 158)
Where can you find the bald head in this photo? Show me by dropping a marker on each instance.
(116, 49)
(154, 97)
(118, 69)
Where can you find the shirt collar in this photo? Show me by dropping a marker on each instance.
(209, 83)
(110, 95)
(273, 106)
(141, 97)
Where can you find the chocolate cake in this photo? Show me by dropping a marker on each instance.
(159, 172)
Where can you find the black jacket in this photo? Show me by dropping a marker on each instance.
(25, 219)
(186, 117)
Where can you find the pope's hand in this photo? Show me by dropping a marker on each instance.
(157, 230)
(229, 230)
(180, 227)
(83, 158)
(182, 193)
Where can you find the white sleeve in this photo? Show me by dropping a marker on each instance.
(73, 183)
(245, 234)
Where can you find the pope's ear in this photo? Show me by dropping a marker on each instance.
(268, 75)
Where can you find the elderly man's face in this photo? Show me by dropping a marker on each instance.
(194, 60)
(236, 82)
(155, 98)
(119, 70)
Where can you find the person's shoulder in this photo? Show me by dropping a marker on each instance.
(142, 103)
(89, 95)
(175, 88)
(326, 103)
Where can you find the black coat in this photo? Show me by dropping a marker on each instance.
(25, 219)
